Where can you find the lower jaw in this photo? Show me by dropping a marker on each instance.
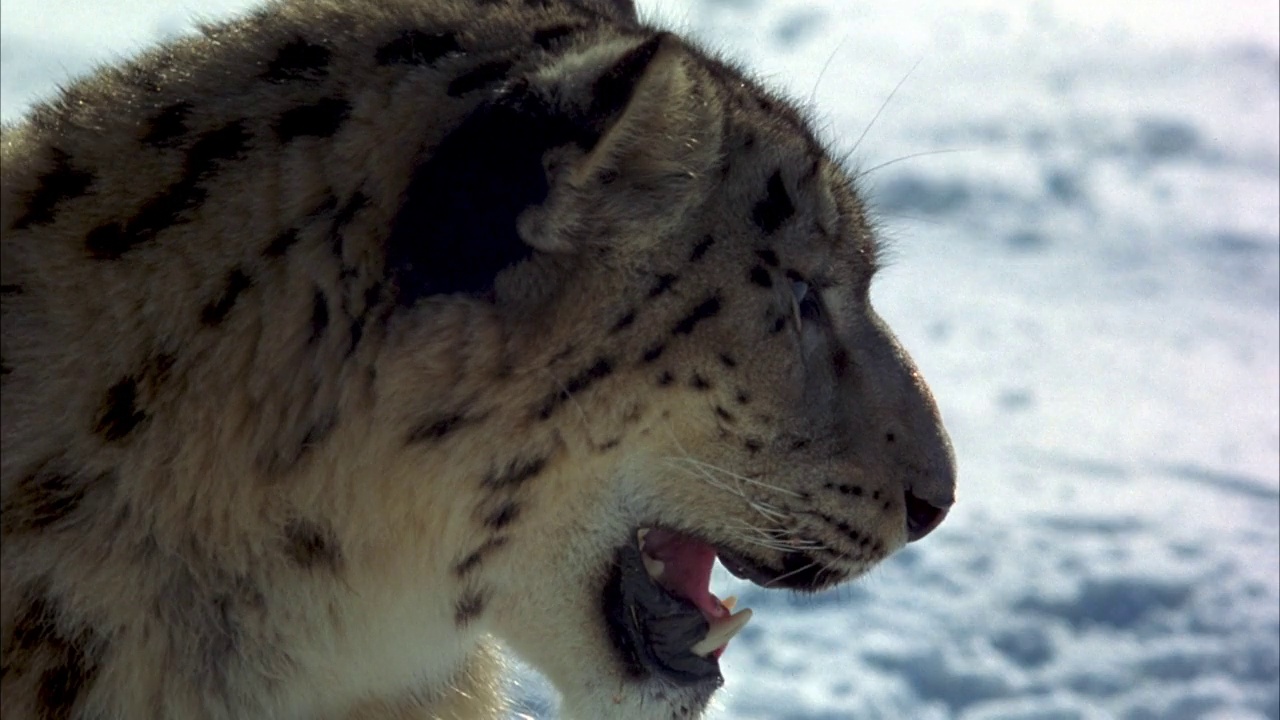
(653, 631)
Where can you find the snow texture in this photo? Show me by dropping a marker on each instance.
(1083, 204)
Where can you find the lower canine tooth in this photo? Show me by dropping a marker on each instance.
(730, 602)
(721, 632)
(653, 566)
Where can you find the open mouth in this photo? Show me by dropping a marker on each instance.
(661, 613)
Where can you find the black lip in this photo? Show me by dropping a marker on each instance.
(653, 629)
(798, 571)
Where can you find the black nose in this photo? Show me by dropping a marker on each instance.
(922, 517)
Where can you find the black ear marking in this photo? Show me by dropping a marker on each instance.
(456, 228)
(613, 89)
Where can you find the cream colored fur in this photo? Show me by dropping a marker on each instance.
(241, 480)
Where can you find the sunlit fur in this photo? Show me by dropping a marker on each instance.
(242, 478)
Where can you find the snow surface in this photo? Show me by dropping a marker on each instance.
(1083, 199)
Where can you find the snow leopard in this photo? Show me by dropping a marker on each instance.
(352, 346)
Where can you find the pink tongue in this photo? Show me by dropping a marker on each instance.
(686, 569)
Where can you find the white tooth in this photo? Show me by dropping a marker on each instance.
(640, 536)
(730, 602)
(721, 632)
(653, 565)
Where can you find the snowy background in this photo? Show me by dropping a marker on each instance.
(1084, 204)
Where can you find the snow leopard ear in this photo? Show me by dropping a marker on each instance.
(653, 140)
(608, 141)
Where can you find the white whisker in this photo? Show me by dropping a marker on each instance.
(742, 478)
(707, 477)
(776, 535)
(703, 473)
(912, 156)
(883, 105)
(813, 94)
(798, 570)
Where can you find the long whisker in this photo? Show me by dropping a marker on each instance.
(801, 569)
(742, 478)
(912, 156)
(763, 532)
(774, 541)
(775, 538)
(813, 94)
(782, 545)
(764, 544)
(703, 473)
(769, 511)
(884, 104)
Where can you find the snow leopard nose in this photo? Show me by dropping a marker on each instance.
(929, 495)
(922, 516)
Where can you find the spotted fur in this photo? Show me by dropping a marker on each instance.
(345, 338)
